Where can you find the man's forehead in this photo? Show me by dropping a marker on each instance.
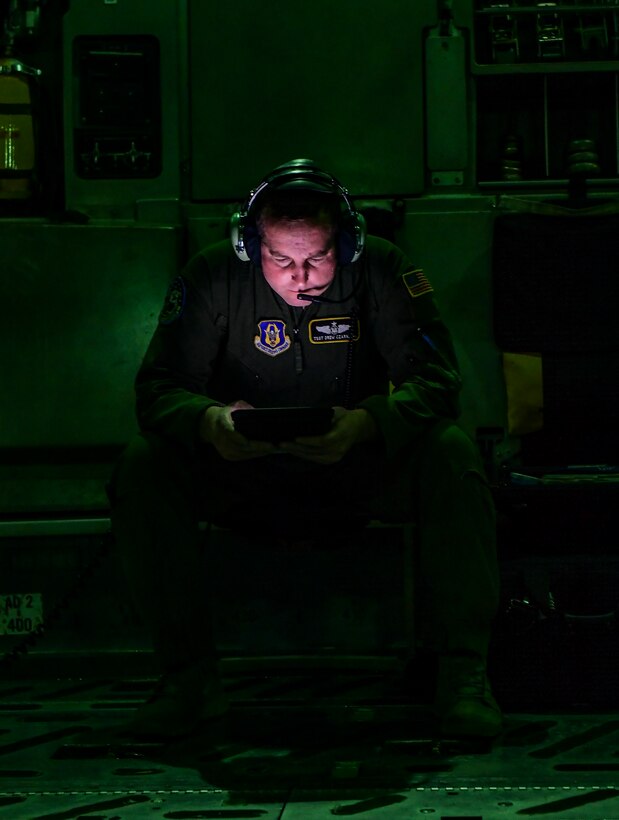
(285, 234)
(301, 228)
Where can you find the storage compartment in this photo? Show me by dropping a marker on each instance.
(545, 79)
(118, 121)
(522, 31)
(538, 126)
(511, 143)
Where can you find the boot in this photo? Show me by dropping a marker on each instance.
(181, 701)
(464, 702)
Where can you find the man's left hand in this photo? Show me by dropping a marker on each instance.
(349, 427)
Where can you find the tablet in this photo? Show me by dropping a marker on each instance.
(282, 423)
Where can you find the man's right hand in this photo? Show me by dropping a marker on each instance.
(217, 428)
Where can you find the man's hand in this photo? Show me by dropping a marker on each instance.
(217, 428)
(349, 427)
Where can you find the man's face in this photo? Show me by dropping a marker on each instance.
(298, 257)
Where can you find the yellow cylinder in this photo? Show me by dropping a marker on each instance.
(17, 142)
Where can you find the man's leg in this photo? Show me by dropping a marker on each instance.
(457, 540)
(155, 496)
(459, 578)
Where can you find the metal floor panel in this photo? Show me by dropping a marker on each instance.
(295, 745)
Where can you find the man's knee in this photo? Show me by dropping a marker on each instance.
(147, 459)
(448, 449)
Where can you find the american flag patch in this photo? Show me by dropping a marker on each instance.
(416, 283)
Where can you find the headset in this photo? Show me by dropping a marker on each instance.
(302, 174)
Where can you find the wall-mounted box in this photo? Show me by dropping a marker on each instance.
(117, 124)
(124, 77)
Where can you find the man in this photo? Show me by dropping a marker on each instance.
(303, 309)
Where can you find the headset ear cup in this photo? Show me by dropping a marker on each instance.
(237, 235)
(253, 245)
(245, 238)
(360, 234)
(351, 238)
(345, 247)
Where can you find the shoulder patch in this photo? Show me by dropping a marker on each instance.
(174, 303)
(416, 283)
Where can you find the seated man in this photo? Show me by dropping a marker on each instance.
(302, 309)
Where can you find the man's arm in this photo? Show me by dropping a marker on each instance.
(417, 347)
(171, 384)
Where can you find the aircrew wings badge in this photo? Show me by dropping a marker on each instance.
(333, 329)
(416, 283)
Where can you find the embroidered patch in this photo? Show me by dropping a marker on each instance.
(416, 283)
(336, 329)
(272, 339)
(174, 303)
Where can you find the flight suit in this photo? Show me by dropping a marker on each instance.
(376, 341)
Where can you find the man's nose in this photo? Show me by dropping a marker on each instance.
(301, 272)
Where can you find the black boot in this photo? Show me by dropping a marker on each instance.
(182, 700)
(464, 701)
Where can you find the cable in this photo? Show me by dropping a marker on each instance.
(348, 377)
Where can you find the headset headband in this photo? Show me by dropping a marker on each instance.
(303, 174)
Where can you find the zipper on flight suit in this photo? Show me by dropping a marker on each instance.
(296, 339)
(298, 352)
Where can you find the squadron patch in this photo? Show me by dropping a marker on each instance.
(416, 283)
(336, 329)
(174, 303)
(272, 338)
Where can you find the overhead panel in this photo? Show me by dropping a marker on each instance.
(340, 83)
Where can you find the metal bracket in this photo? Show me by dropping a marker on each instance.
(550, 33)
(15, 67)
(447, 178)
(504, 38)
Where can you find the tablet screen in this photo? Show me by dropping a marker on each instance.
(282, 423)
